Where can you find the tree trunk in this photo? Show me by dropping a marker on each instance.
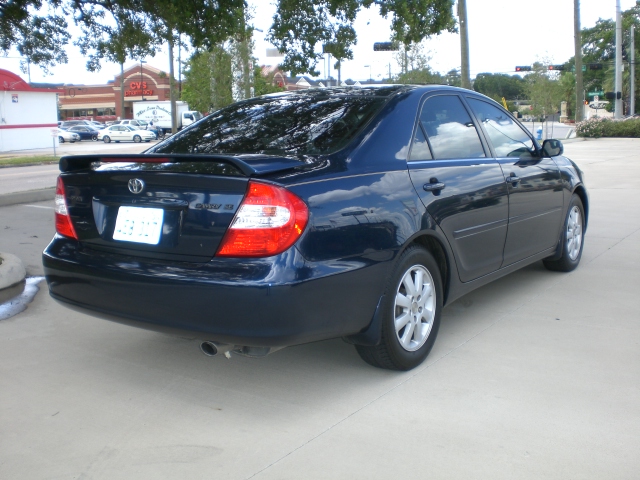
(122, 91)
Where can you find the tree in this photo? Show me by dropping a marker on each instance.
(40, 38)
(415, 67)
(544, 92)
(301, 26)
(598, 47)
(263, 84)
(208, 81)
(499, 85)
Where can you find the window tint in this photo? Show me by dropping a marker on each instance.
(284, 124)
(451, 132)
(420, 147)
(507, 137)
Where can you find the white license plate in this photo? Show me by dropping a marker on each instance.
(140, 225)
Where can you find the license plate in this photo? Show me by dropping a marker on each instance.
(139, 225)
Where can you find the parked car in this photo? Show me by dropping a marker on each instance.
(123, 133)
(139, 124)
(98, 125)
(66, 136)
(303, 216)
(85, 132)
(72, 123)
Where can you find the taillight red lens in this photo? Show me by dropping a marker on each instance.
(63, 220)
(269, 220)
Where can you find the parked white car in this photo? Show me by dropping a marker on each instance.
(66, 136)
(124, 133)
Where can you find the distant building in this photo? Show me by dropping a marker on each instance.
(27, 114)
(102, 102)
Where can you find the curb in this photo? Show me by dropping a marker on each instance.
(30, 196)
(12, 270)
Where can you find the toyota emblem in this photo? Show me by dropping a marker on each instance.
(136, 185)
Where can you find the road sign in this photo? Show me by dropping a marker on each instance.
(599, 93)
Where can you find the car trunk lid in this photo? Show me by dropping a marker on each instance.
(172, 207)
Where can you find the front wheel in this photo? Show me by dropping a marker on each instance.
(411, 313)
(106, 139)
(137, 139)
(572, 239)
(60, 140)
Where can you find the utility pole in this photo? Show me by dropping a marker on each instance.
(578, 57)
(618, 89)
(121, 91)
(632, 72)
(464, 44)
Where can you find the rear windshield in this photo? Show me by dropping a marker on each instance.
(285, 124)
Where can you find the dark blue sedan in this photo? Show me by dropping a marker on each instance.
(353, 212)
(86, 132)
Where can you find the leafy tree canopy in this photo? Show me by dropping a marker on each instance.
(302, 27)
(499, 85)
(134, 28)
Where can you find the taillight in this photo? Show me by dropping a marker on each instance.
(63, 220)
(269, 220)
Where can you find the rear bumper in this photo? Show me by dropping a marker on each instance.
(279, 301)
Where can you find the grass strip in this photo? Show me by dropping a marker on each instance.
(35, 160)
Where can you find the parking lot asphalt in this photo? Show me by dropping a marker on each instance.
(536, 375)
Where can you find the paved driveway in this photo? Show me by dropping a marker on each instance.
(534, 376)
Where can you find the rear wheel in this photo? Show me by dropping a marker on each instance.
(60, 140)
(137, 139)
(571, 239)
(94, 138)
(106, 139)
(411, 313)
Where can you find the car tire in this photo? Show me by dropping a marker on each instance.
(571, 239)
(137, 138)
(94, 138)
(60, 140)
(106, 139)
(413, 298)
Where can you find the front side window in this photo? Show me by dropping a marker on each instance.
(450, 130)
(507, 137)
(279, 125)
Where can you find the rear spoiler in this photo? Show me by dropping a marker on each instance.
(249, 165)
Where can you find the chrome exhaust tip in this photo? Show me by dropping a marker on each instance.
(211, 349)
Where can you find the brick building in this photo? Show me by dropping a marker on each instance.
(102, 102)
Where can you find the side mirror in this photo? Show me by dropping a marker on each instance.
(552, 148)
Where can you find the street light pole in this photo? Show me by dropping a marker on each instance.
(141, 80)
(369, 72)
(578, 60)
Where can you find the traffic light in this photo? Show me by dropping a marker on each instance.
(523, 68)
(556, 67)
(595, 66)
(586, 102)
(384, 47)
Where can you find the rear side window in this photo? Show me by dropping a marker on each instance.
(293, 125)
(507, 137)
(449, 128)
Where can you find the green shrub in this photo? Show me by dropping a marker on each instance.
(607, 127)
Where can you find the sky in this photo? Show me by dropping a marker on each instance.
(502, 34)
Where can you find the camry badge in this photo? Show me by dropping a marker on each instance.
(136, 185)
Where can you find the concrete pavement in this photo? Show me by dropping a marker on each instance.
(534, 376)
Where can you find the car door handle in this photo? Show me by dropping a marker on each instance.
(513, 178)
(434, 187)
